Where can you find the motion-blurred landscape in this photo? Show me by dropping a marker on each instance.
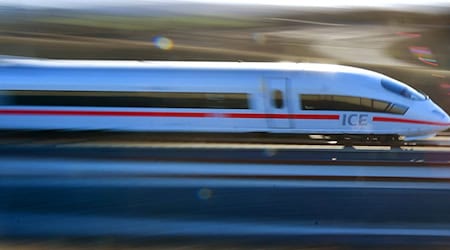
(411, 45)
(66, 188)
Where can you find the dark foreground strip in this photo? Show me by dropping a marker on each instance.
(232, 177)
(238, 155)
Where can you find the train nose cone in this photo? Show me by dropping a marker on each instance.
(447, 120)
(444, 119)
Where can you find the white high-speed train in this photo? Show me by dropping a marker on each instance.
(213, 97)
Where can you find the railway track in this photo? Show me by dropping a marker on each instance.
(195, 139)
(230, 153)
(143, 185)
(67, 197)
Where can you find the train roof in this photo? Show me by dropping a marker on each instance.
(181, 65)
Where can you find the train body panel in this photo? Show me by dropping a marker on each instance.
(211, 97)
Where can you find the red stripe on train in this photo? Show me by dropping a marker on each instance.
(284, 116)
(206, 115)
(102, 113)
(170, 114)
(316, 117)
(390, 119)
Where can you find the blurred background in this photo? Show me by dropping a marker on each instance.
(407, 40)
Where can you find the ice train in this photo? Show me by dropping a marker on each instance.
(236, 97)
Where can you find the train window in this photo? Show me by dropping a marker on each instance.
(397, 109)
(349, 103)
(129, 99)
(277, 99)
(317, 102)
(3, 98)
(366, 104)
(402, 89)
(380, 106)
(311, 102)
(331, 102)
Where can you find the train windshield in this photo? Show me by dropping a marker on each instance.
(402, 89)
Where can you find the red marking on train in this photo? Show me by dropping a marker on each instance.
(390, 119)
(284, 116)
(250, 115)
(315, 117)
(103, 113)
(169, 114)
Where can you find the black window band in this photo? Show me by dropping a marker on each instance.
(126, 99)
(349, 103)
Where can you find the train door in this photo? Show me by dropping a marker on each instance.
(276, 102)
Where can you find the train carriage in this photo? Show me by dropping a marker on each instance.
(212, 97)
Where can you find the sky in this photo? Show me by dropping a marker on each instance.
(301, 3)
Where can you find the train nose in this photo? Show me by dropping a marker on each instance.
(447, 120)
(444, 117)
(438, 115)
